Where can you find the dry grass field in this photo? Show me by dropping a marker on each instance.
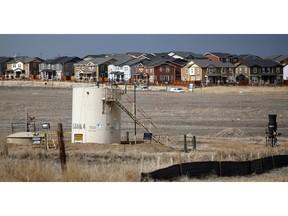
(228, 122)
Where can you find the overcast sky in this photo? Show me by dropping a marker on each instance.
(122, 26)
(52, 45)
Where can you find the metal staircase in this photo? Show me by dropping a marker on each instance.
(159, 136)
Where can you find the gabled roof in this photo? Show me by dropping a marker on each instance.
(24, 59)
(67, 59)
(95, 56)
(219, 54)
(248, 57)
(278, 58)
(260, 63)
(5, 59)
(186, 55)
(206, 63)
(120, 58)
(96, 61)
(52, 61)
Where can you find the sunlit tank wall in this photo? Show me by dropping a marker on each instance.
(89, 124)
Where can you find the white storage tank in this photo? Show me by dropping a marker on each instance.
(95, 117)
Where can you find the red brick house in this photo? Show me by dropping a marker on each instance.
(157, 71)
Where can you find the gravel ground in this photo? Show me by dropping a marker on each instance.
(213, 112)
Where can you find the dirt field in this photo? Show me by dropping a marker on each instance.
(228, 119)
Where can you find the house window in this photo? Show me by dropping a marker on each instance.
(166, 78)
(126, 69)
(223, 70)
(192, 71)
(268, 70)
(19, 65)
(14, 65)
(240, 69)
(91, 68)
(167, 69)
(161, 78)
(102, 67)
(57, 67)
(160, 69)
(277, 70)
(263, 70)
(211, 70)
(151, 70)
(254, 70)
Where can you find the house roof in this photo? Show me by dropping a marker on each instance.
(260, 63)
(187, 55)
(121, 58)
(206, 63)
(68, 59)
(219, 54)
(96, 61)
(248, 57)
(4, 59)
(278, 58)
(54, 60)
(25, 59)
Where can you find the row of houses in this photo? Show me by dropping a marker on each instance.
(151, 68)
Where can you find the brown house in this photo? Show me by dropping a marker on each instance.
(262, 71)
(23, 68)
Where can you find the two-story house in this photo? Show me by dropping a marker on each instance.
(3, 65)
(282, 59)
(48, 68)
(208, 71)
(23, 68)
(158, 69)
(262, 71)
(120, 70)
(92, 69)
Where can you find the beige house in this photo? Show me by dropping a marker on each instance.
(208, 71)
(92, 69)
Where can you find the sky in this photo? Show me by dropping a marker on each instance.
(124, 26)
(52, 45)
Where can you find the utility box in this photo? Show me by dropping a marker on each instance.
(96, 118)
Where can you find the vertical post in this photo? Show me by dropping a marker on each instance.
(127, 136)
(185, 143)
(61, 146)
(194, 142)
(135, 133)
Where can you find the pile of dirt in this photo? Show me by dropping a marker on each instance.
(231, 132)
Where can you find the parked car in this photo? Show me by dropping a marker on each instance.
(145, 88)
(177, 90)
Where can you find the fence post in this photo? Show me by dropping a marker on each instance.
(180, 163)
(127, 136)
(185, 143)
(194, 142)
(61, 147)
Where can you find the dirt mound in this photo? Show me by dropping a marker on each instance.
(231, 132)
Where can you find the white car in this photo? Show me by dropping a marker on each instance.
(177, 90)
(145, 88)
